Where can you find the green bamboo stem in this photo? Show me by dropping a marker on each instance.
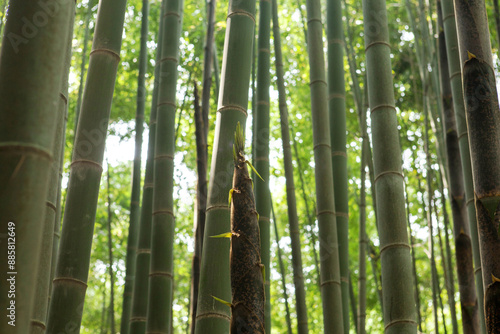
(361, 318)
(310, 220)
(399, 304)
(428, 211)
(163, 224)
(462, 235)
(110, 253)
(43, 280)
(463, 139)
(483, 123)
(414, 263)
(293, 220)
(337, 111)
(135, 209)
(201, 204)
(69, 285)
(212, 316)
(141, 282)
(325, 198)
(352, 303)
(261, 135)
(83, 62)
(31, 73)
(208, 62)
(282, 268)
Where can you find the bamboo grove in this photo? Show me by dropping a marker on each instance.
(243, 166)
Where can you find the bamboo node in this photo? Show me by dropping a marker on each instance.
(336, 96)
(408, 321)
(377, 43)
(336, 41)
(242, 13)
(318, 81)
(38, 323)
(380, 106)
(161, 274)
(339, 153)
(388, 172)
(51, 205)
(233, 107)
(163, 212)
(454, 74)
(477, 270)
(314, 20)
(102, 50)
(325, 212)
(172, 59)
(70, 279)
(164, 156)
(329, 282)
(214, 315)
(91, 162)
(321, 144)
(143, 251)
(26, 147)
(394, 245)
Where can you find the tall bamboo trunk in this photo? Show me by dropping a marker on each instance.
(201, 204)
(163, 223)
(463, 245)
(293, 220)
(43, 281)
(282, 270)
(141, 282)
(483, 122)
(454, 67)
(110, 254)
(261, 158)
(83, 62)
(69, 285)
(247, 272)
(213, 316)
(329, 253)
(361, 318)
(337, 111)
(135, 209)
(399, 304)
(31, 72)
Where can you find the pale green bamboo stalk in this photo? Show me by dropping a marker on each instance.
(135, 209)
(361, 317)
(141, 282)
(261, 158)
(293, 220)
(110, 254)
(325, 198)
(44, 279)
(282, 268)
(69, 285)
(31, 72)
(399, 304)
(213, 316)
(337, 111)
(450, 30)
(83, 62)
(163, 222)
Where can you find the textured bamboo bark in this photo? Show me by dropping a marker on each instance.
(310, 220)
(338, 137)
(212, 316)
(399, 303)
(201, 204)
(110, 255)
(83, 62)
(361, 319)
(261, 158)
(463, 246)
(428, 212)
(282, 268)
(143, 256)
(414, 264)
(352, 303)
(325, 198)
(69, 285)
(43, 277)
(163, 223)
(247, 272)
(135, 209)
(454, 67)
(483, 122)
(31, 72)
(497, 20)
(293, 220)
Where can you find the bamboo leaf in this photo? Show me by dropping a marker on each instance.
(254, 170)
(223, 235)
(222, 301)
